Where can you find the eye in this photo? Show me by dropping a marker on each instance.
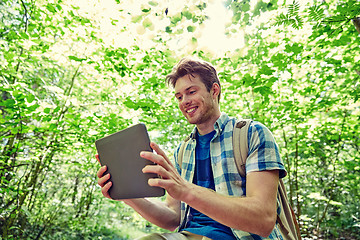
(192, 92)
(178, 98)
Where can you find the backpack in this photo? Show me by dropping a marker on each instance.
(289, 227)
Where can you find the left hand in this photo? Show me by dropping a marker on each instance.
(169, 179)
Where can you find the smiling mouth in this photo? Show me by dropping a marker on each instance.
(191, 110)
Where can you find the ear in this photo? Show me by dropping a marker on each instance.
(215, 90)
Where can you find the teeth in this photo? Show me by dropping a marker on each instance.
(190, 110)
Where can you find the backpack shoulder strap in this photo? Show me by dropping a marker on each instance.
(289, 226)
(240, 144)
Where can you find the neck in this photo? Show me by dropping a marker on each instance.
(208, 126)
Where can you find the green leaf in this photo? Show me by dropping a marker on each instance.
(130, 104)
(246, 17)
(294, 8)
(245, 7)
(191, 28)
(248, 80)
(335, 203)
(17, 94)
(152, 3)
(50, 7)
(77, 59)
(33, 107)
(53, 126)
(188, 15)
(266, 70)
(237, 17)
(146, 10)
(316, 13)
(58, 6)
(147, 23)
(177, 18)
(263, 90)
(136, 19)
(293, 48)
(168, 29)
(201, 6)
(24, 35)
(14, 130)
(317, 196)
(69, 116)
(30, 98)
(8, 103)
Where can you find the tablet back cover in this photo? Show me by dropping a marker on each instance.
(120, 152)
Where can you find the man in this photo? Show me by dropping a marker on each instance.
(222, 205)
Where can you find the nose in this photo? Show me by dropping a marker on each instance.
(185, 101)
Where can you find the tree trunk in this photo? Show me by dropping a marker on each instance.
(356, 22)
(296, 179)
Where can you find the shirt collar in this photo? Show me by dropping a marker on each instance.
(218, 126)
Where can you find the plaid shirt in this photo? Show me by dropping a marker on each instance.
(263, 155)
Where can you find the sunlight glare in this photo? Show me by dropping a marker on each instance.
(213, 38)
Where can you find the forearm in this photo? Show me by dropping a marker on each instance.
(255, 213)
(243, 213)
(156, 212)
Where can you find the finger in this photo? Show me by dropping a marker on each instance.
(158, 170)
(157, 159)
(102, 181)
(154, 182)
(101, 171)
(173, 188)
(105, 190)
(97, 157)
(162, 183)
(158, 150)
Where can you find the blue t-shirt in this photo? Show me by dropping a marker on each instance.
(199, 223)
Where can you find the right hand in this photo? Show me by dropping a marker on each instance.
(103, 180)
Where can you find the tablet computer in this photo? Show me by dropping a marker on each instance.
(120, 152)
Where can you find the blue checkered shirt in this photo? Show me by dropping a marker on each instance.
(263, 155)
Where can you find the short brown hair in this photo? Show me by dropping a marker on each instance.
(205, 70)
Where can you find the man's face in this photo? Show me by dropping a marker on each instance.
(195, 102)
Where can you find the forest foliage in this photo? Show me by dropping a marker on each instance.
(73, 73)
